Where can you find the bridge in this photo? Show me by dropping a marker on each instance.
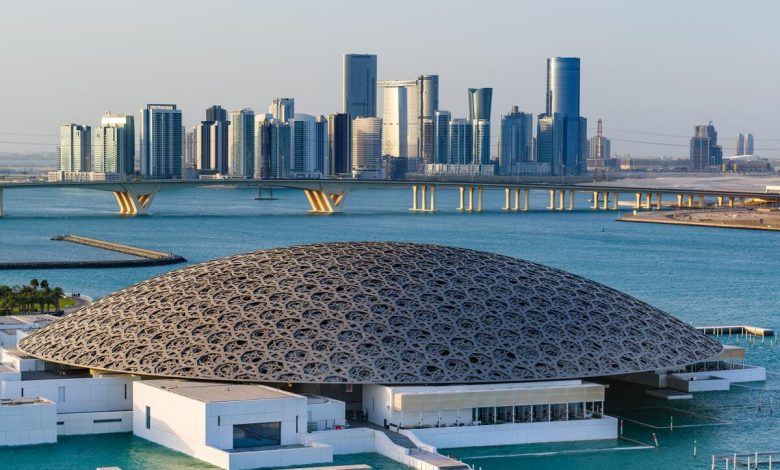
(326, 195)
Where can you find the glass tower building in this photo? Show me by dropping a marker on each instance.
(516, 141)
(441, 136)
(161, 141)
(563, 98)
(461, 142)
(75, 148)
(359, 86)
(242, 143)
(339, 144)
(480, 103)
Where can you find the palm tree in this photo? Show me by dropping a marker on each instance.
(58, 294)
(47, 297)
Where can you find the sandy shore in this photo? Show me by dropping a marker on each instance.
(742, 218)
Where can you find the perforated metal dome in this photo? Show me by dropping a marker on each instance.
(390, 313)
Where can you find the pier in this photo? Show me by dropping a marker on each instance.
(146, 257)
(736, 330)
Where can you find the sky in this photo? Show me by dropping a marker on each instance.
(650, 69)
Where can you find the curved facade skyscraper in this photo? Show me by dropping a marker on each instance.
(563, 98)
(360, 85)
(480, 102)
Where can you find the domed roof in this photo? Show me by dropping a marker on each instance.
(393, 313)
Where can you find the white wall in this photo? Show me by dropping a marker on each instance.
(326, 412)
(81, 394)
(377, 403)
(518, 433)
(343, 441)
(100, 422)
(33, 423)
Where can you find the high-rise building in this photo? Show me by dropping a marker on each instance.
(599, 150)
(273, 145)
(359, 86)
(282, 109)
(339, 144)
(210, 147)
(114, 145)
(161, 141)
(241, 143)
(705, 151)
(516, 141)
(744, 144)
(75, 150)
(441, 136)
(394, 120)
(429, 91)
(461, 142)
(481, 135)
(216, 113)
(551, 142)
(563, 98)
(304, 158)
(480, 103)
(321, 146)
(367, 147)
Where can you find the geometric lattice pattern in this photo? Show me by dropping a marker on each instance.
(391, 313)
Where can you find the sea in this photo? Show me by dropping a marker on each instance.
(705, 276)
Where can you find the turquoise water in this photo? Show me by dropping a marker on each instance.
(702, 275)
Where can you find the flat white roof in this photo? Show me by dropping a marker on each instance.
(428, 390)
(209, 392)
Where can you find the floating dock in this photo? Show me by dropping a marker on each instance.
(736, 330)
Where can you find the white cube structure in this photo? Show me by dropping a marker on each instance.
(234, 426)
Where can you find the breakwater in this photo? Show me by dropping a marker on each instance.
(145, 257)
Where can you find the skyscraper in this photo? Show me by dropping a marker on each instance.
(339, 144)
(216, 113)
(551, 142)
(394, 121)
(563, 98)
(481, 135)
(359, 86)
(75, 150)
(744, 144)
(321, 146)
(516, 140)
(272, 148)
(282, 109)
(303, 146)
(161, 141)
(429, 92)
(114, 145)
(441, 136)
(599, 150)
(705, 151)
(367, 147)
(461, 142)
(241, 143)
(480, 103)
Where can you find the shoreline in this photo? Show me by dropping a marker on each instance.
(717, 219)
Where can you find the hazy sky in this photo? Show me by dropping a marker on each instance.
(655, 66)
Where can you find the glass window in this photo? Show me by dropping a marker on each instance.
(257, 434)
(148, 417)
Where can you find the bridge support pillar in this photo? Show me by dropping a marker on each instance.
(595, 198)
(2, 212)
(731, 201)
(701, 201)
(469, 191)
(423, 203)
(517, 199)
(679, 200)
(571, 201)
(479, 199)
(648, 200)
(507, 194)
(690, 201)
(742, 200)
(720, 201)
(552, 200)
(615, 200)
(561, 197)
(131, 203)
(525, 199)
(659, 197)
(638, 203)
(604, 201)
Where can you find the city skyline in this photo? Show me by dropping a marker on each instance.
(673, 99)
